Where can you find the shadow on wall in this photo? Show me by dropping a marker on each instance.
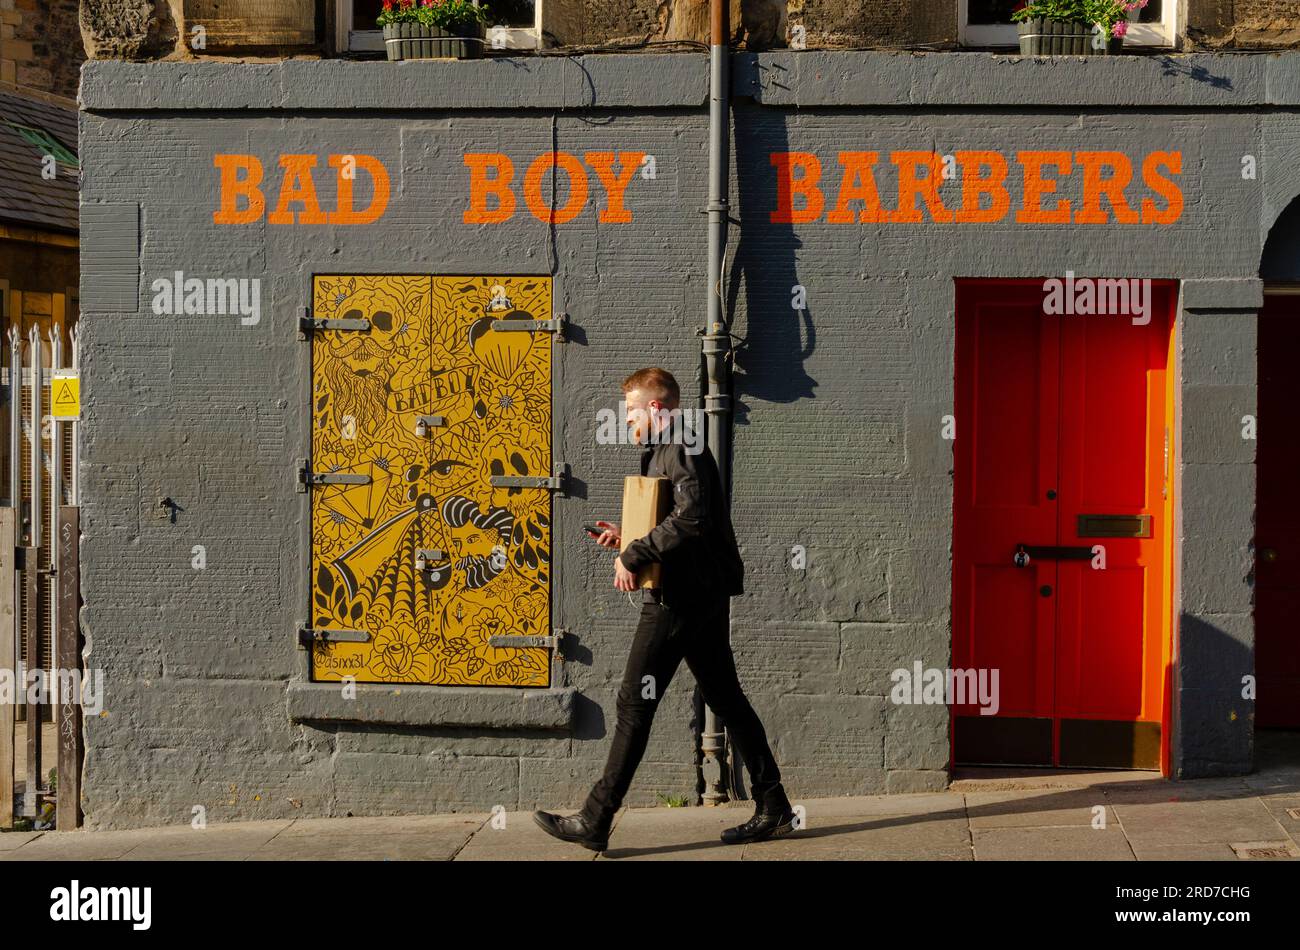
(778, 338)
(1215, 723)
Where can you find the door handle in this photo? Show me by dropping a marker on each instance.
(1026, 553)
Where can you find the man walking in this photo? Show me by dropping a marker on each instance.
(686, 618)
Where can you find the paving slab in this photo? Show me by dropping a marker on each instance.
(871, 838)
(1197, 821)
(227, 842)
(1200, 790)
(10, 840)
(83, 846)
(387, 825)
(172, 839)
(1274, 783)
(1205, 851)
(980, 779)
(1286, 810)
(1051, 844)
(919, 803)
(522, 840)
(440, 846)
(675, 834)
(1037, 809)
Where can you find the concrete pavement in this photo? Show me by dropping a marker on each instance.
(985, 815)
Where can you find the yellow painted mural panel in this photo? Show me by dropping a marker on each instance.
(428, 557)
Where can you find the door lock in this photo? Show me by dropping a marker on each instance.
(423, 557)
(422, 424)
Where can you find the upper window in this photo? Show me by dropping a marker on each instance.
(988, 23)
(515, 24)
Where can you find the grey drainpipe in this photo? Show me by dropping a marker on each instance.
(717, 341)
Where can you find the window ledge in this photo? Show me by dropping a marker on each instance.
(418, 705)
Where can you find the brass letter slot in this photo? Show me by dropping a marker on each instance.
(1114, 526)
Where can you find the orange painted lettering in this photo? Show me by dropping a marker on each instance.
(232, 187)
(910, 187)
(1094, 186)
(974, 186)
(345, 214)
(1163, 187)
(787, 186)
(297, 186)
(858, 183)
(577, 187)
(481, 187)
(602, 163)
(1035, 187)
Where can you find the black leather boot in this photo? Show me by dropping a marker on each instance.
(577, 828)
(773, 817)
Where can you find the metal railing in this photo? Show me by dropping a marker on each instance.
(39, 535)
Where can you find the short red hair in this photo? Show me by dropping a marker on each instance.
(656, 383)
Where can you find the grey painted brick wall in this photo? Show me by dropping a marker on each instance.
(837, 443)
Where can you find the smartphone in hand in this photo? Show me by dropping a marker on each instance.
(603, 533)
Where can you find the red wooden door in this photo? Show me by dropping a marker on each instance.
(1061, 451)
(1008, 397)
(1277, 519)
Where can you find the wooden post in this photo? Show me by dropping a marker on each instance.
(8, 665)
(68, 713)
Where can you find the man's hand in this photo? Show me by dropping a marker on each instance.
(623, 578)
(611, 537)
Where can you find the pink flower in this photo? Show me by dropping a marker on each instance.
(1120, 28)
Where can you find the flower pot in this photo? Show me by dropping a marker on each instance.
(1041, 36)
(417, 41)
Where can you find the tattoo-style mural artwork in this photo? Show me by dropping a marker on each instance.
(428, 557)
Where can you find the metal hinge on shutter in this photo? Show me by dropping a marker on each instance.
(555, 326)
(306, 477)
(307, 323)
(522, 642)
(557, 482)
(309, 635)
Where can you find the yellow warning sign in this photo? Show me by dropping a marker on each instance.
(65, 397)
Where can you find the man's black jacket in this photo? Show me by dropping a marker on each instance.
(695, 543)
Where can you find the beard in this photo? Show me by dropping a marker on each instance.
(479, 571)
(364, 398)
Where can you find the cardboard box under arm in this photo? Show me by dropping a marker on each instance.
(646, 502)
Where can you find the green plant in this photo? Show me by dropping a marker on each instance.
(448, 14)
(672, 801)
(1112, 15)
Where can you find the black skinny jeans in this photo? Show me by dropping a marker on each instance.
(664, 637)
